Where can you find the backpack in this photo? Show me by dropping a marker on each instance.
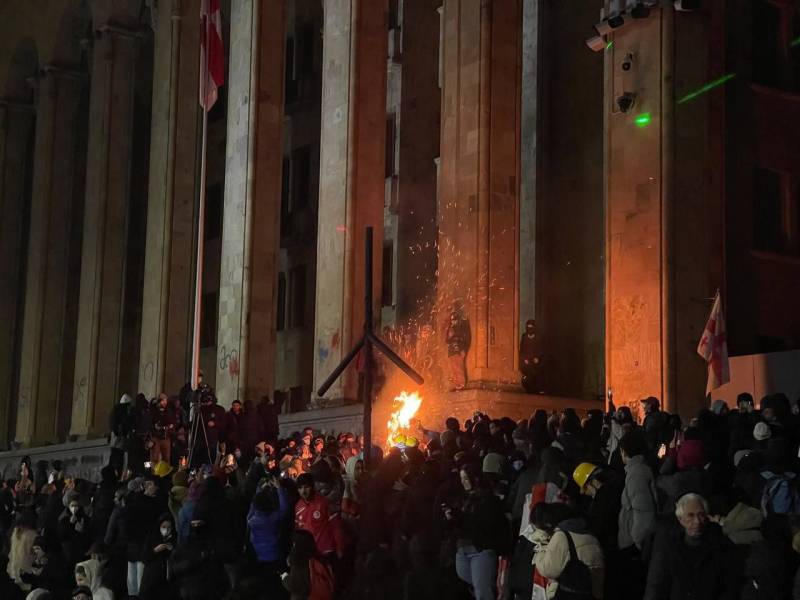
(520, 579)
(781, 495)
(575, 581)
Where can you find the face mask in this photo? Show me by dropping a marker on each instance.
(238, 454)
(517, 464)
(74, 509)
(165, 531)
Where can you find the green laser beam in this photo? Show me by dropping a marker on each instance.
(643, 120)
(795, 42)
(706, 87)
(608, 46)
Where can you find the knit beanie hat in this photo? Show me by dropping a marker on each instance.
(762, 432)
(493, 463)
(306, 479)
(691, 454)
(135, 484)
(181, 478)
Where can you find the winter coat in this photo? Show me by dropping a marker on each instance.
(551, 559)
(351, 498)
(141, 513)
(674, 484)
(483, 524)
(92, 570)
(602, 517)
(638, 503)
(269, 417)
(178, 497)
(657, 430)
(20, 558)
(200, 572)
(317, 518)
(266, 529)
(251, 429)
(742, 525)
(74, 544)
(685, 569)
(157, 579)
(521, 488)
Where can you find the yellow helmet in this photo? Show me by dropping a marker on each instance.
(162, 469)
(399, 439)
(583, 473)
(411, 442)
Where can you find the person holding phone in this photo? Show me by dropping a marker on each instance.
(157, 584)
(74, 531)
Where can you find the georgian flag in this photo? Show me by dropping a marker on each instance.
(212, 69)
(713, 348)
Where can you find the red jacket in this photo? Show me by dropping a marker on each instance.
(316, 518)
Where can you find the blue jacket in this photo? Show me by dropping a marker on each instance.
(185, 516)
(265, 529)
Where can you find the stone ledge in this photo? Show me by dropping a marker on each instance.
(81, 459)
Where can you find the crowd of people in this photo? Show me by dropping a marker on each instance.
(554, 507)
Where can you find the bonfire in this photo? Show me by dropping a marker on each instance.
(406, 406)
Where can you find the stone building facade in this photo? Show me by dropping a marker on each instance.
(481, 139)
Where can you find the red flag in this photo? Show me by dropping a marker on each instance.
(212, 68)
(713, 348)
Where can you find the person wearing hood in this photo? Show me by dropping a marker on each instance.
(179, 493)
(186, 513)
(565, 529)
(197, 566)
(143, 505)
(157, 580)
(529, 359)
(656, 425)
(74, 530)
(118, 425)
(351, 500)
(684, 474)
(87, 574)
(103, 501)
(693, 560)
(742, 425)
(482, 533)
(266, 520)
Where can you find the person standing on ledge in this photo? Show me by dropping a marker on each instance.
(529, 359)
(458, 338)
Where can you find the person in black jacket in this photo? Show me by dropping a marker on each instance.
(48, 569)
(695, 561)
(529, 359)
(118, 424)
(74, 531)
(482, 533)
(268, 410)
(458, 339)
(103, 501)
(197, 567)
(160, 543)
(142, 509)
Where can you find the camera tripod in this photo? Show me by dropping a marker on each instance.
(197, 427)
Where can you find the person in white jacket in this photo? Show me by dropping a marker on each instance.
(551, 558)
(87, 574)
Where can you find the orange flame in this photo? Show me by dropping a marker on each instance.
(406, 406)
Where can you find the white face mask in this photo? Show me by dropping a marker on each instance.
(517, 464)
(238, 454)
(165, 531)
(74, 509)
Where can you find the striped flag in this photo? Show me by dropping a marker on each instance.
(212, 69)
(713, 348)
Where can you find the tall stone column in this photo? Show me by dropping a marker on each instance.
(664, 210)
(351, 186)
(105, 231)
(48, 252)
(251, 215)
(168, 281)
(479, 201)
(15, 138)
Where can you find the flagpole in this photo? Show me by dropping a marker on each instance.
(198, 286)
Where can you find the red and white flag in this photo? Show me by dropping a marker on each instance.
(212, 68)
(713, 348)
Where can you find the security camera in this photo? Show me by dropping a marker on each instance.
(627, 63)
(626, 101)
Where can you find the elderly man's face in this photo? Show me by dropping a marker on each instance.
(694, 519)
